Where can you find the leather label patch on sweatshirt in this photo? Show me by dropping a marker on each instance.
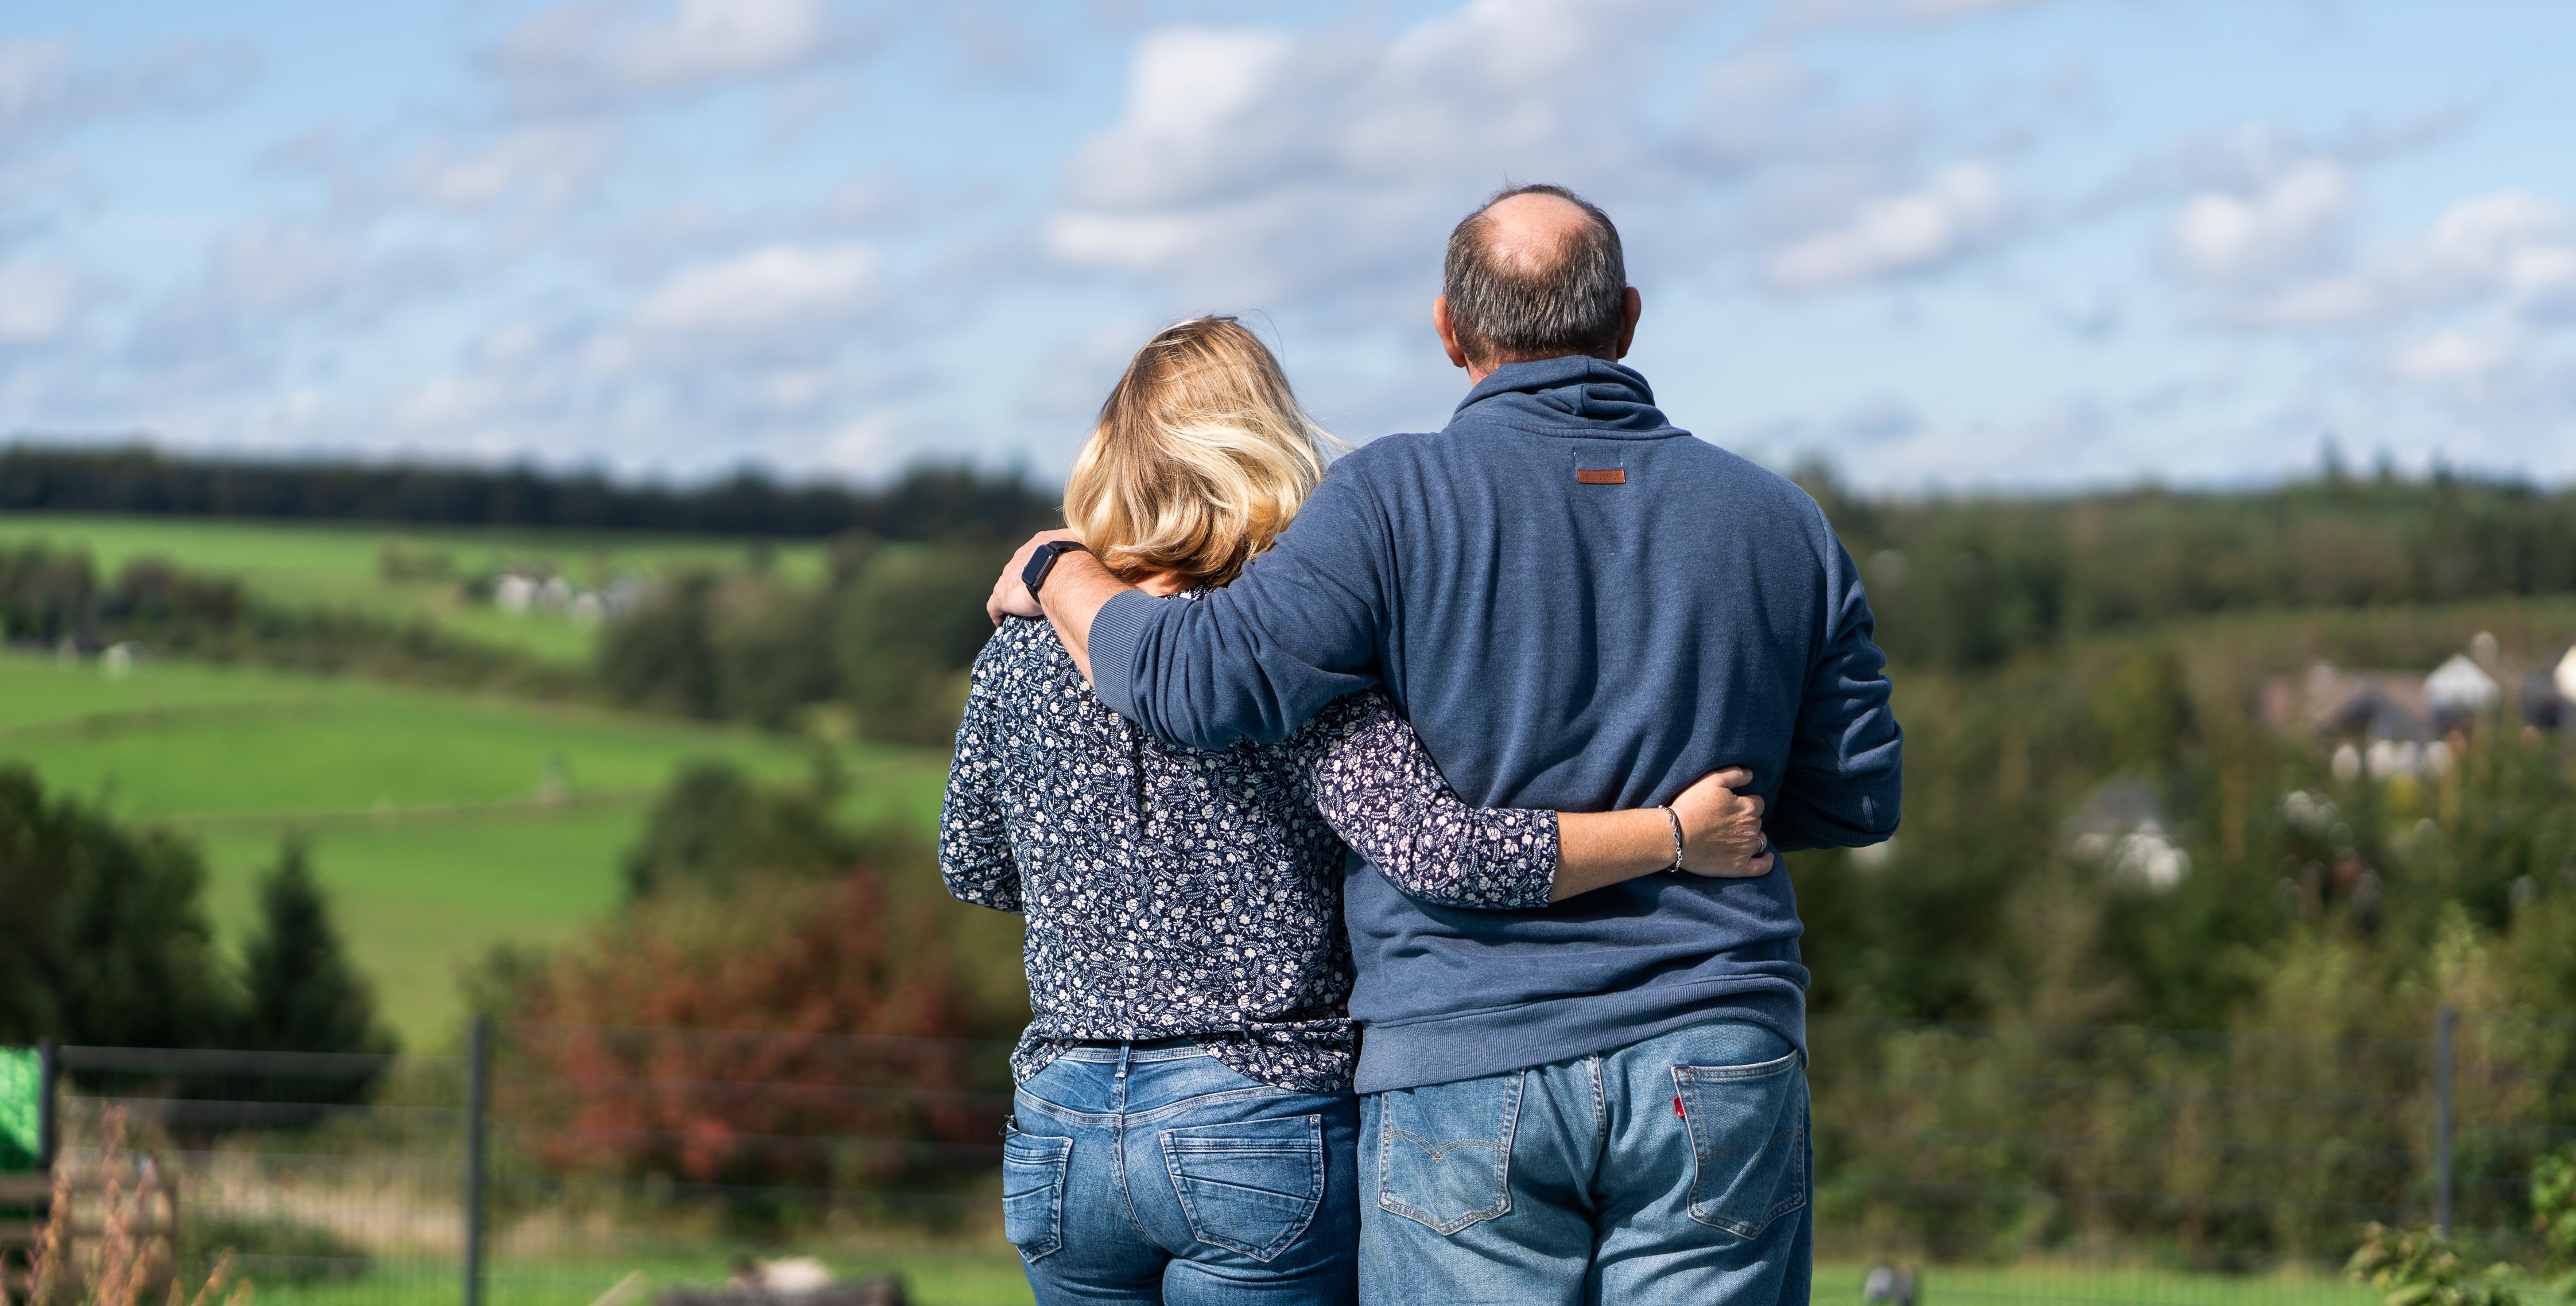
(1601, 475)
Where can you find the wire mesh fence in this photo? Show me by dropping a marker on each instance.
(2087, 1163)
(2001, 1162)
(685, 1155)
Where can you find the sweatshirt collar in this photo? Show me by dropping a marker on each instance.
(1572, 391)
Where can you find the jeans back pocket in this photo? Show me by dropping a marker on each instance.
(1748, 1128)
(1251, 1186)
(1444, 1152)
(1033, 1170)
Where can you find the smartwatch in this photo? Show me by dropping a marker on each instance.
(1043, 561)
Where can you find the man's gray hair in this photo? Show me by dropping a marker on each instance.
(1504, 308)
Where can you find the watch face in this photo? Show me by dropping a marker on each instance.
(1039, 562)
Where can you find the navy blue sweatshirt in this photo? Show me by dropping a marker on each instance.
(1579, 606)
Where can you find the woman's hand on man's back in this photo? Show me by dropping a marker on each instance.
(1722, 828)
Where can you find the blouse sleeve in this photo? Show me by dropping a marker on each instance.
(974, 844)
(1380, 791)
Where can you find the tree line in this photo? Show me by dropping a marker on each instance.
(924, 502)
(1971, 581)
(1957, 582)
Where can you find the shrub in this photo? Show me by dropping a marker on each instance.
(2553, 1209)
(838, 1075)
(105, 937)
(661, 655)
(712, 827)
(282, 1250)
(2419, 1267)
(302, 993)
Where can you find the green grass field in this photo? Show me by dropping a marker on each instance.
(2140, 1286)
(984, 1274)
(988, 1274)
(340, 564)
(422, 808)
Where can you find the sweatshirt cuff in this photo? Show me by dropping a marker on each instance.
(1115, 632)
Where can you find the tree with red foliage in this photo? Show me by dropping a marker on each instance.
(786, 1032)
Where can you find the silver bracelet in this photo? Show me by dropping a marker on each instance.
(1676, 819)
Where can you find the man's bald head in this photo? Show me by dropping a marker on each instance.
(1535, 273)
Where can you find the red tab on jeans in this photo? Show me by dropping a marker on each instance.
(1677, 1108)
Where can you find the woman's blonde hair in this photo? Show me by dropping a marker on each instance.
(1201, 457)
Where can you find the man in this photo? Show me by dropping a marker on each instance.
(1579, 606)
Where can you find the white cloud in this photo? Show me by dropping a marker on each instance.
(864, 447)
(595, 47)
(1795, 14)
(1904, 233)
(2509, 250)
(44, 90)
(287, 265)
(1257, 165)
(1878, 420)
(777, 288)
(264, 287)
(2244, 237)
(35, 78)
(551, 163)
(274, 265)
(2512, 243)
(39, 300)
(1758, 75)
(1935, 10)
(2496, 382)
(2457, 355)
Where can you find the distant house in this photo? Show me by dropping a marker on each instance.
(2549, 698)
(514, 593)
(2121, 827)
(2352, 706)
(522, 592)
(2459, 692)
(2386, 723)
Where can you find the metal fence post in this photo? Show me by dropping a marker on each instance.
(478, 1104)
(49, 1069)
(2444, 1030)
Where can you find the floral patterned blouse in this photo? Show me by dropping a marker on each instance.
(1176, 893)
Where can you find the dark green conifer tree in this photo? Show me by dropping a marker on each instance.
(301, 994)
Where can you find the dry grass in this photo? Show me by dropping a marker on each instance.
(131, 1250)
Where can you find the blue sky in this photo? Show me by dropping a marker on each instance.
(1939, 244)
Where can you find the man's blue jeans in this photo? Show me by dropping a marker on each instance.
(1153, 1173)
(1672, 1170)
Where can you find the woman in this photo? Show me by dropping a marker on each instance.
(1184, 1126)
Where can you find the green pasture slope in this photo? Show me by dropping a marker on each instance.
(987, 1273)
(340, 564)
(423, 809)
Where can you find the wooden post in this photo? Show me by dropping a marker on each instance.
(49, 1066)
(2443, 1036)
(478, 1089)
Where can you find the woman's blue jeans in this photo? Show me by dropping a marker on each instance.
(1153, 1173)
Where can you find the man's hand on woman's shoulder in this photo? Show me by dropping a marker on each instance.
(1011, 597)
